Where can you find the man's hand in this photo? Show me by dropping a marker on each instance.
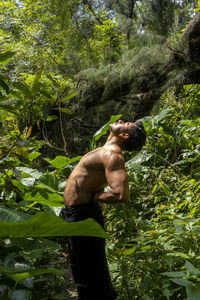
(96, 195)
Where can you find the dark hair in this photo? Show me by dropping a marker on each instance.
(137, 137)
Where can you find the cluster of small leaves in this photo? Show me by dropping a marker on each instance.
(106, 42)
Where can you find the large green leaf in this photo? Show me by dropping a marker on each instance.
(15, 94)
(44, 224)
(18, 276)
(45, 196)
(103, 130)
(142, 157)
(174, 274)
(192, 268)
(193, 292)
(21, 294)
(32, 244)
(181, 281)
(49, 181)
(7, 293)
(155, 120)
(9, 215)
(19, 185)
(61, 161)
(28, 172)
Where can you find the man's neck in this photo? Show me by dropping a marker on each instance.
(114, 143)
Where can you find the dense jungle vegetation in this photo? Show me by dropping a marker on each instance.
(67, 70)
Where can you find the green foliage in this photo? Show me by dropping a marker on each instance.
(154, 246)
(21, 275)
(104, 129)
(154, 252)
(61, 161)
(106, 42)
(28, 197)
(46, 224)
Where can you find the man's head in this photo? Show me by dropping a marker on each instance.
(133, 135)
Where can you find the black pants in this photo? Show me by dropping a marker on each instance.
(87, 256)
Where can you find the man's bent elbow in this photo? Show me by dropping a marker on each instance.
(120, 197)
(123, 200)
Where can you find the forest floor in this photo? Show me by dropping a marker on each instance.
(70, 285)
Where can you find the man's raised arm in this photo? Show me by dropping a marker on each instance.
(117, 179)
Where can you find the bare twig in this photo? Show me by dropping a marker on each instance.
(62, 132)
(45, 136)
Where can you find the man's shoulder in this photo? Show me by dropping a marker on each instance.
(112, 157)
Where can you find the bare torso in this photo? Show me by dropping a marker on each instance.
(95, 170)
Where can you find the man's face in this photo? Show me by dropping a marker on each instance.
(120, 127)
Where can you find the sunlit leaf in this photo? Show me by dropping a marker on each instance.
(5, 56)
(44, 196)
(28, 132)
(51, 118)
(29, 172)
(33, 155)
(164, 187)
(103, 130)
(61, 161)
(64, 109)
(67, 97)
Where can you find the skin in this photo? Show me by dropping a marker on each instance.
(98, 168)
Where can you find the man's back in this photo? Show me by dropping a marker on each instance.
(89, 176)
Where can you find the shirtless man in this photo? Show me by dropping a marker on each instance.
(83, 193)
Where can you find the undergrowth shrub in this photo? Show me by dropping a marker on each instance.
(154, 245)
